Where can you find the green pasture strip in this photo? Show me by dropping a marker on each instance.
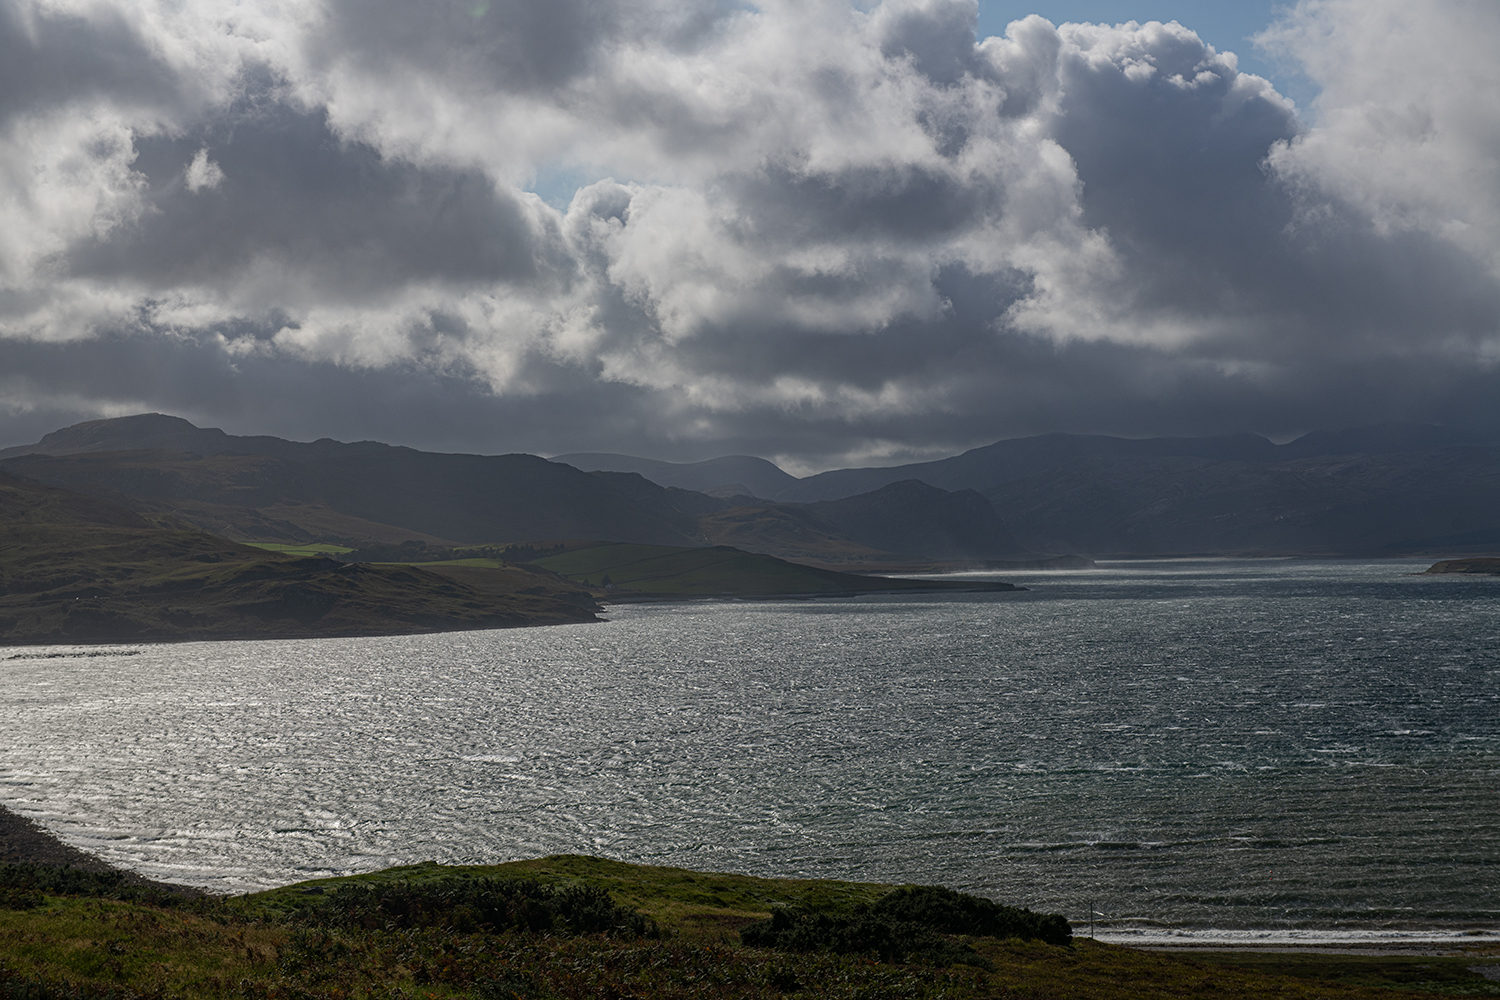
(311, 549)
(667, 894)
(113, 943)
(608, 558)
(662, 569)
(272, 946)
(1454, 976)
(480, 562)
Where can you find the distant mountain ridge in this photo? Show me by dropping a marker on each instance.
(1017, 458)
(1379, 489)
(762, 478)
(270, 490)
(80, 568)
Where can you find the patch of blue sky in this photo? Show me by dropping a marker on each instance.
(557, 183)
(1227, 25)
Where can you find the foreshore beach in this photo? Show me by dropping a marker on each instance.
(23, 842)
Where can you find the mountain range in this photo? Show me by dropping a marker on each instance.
(1382, 490)
(1379, 490)
(268, 490)
(80, 568)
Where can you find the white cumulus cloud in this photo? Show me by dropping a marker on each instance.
(203, 173)
(814, 229)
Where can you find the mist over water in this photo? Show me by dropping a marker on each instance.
(1247, 746)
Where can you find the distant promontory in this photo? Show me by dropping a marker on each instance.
(1478, 566)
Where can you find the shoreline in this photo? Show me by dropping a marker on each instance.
(1420, 943)
(605, 600)
(25, 842)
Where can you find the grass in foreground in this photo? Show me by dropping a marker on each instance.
(574, 927)
(1454, 976)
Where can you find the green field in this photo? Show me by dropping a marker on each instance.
(310, 549)
(589, 928)
(665, 570)
(77, 568)
(477, 561)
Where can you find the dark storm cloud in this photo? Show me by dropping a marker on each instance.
(817, 232)
(49, 58)
(513, 46)
(907, 204)
(1173, 167)
(510, 44)
(347, 220)
(938, 38)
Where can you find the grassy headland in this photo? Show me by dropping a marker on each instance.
(672, 571)
(1477, 566)
(77, 568)
(576, 927)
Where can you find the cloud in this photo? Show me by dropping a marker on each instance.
(1408, 135)
(810, 230)
(203, 173)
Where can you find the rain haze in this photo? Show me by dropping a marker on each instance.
(826, 233)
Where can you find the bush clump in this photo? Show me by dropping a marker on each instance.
(20, 899)
(908, 924)
(486, 904)
(858, 932)
(959, 913)
(26, 882)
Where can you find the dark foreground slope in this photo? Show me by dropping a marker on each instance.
(571, 927)
(76, 568)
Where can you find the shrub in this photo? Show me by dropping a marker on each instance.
(53, 881)
(857, 932)
(20, 899)
(907, 924)
(959, 913)
(481, 904)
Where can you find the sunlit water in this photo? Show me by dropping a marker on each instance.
(1265, 749)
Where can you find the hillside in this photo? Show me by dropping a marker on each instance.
(1355, 505)
(258, 489)
(754, 477)
(1476, 567)
(912, 518)
(334, 492)
(76, 568)
(988, 467)
(573, 927)
(721, 571)
(1379, 490)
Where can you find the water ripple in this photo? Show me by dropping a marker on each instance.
(1277, 746)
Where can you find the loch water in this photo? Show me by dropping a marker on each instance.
(1268, 749)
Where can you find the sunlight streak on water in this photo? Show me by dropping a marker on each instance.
(1186, 744)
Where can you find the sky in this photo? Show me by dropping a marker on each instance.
(826, 232)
